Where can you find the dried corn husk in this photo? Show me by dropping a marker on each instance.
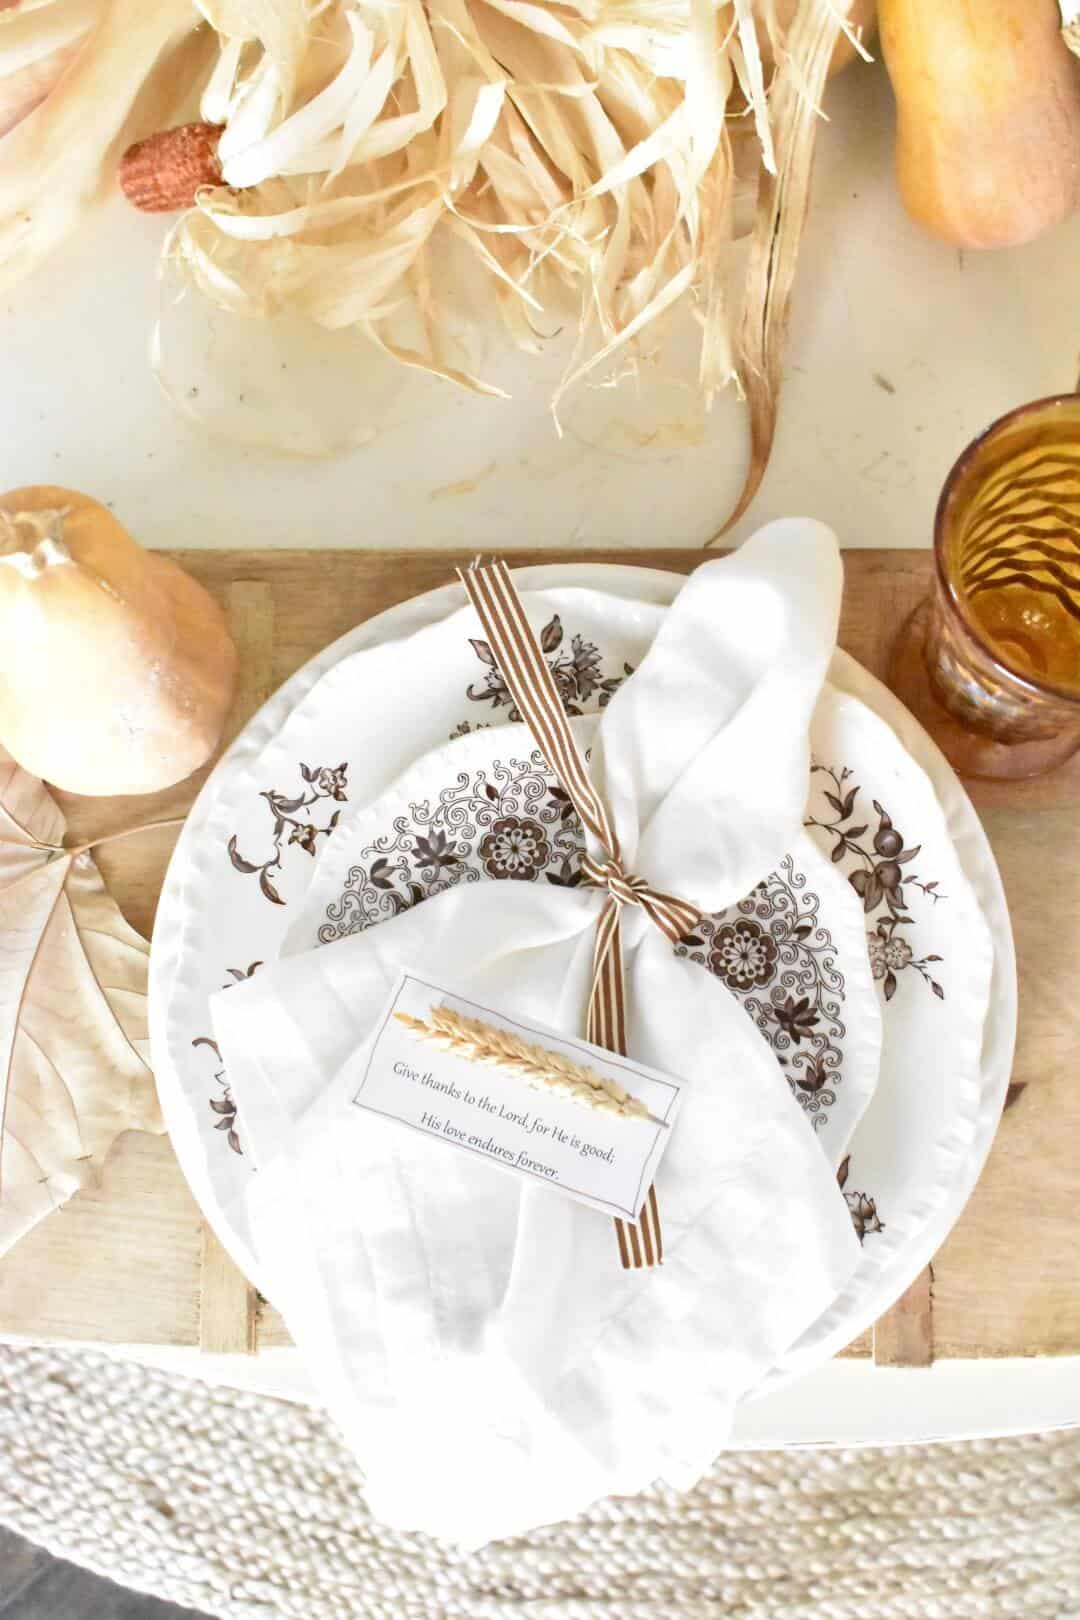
(55, 159)
(783, 200)
(581, 152)
(36, 44)
(586, 155)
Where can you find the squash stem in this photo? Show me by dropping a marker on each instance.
(32, 541)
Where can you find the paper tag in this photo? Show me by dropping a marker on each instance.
(600, 1158)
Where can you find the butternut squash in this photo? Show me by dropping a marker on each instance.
(988, 103)
(116, 667)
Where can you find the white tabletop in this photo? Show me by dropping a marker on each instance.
(843, 1403)
(901, 350)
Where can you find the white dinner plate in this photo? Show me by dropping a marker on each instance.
(246, 855)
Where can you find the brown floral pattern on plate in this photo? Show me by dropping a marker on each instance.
(515, 848)
(577, 671)
(878, 877)
(293, 825)
(224, 1104)
(511, 820)
(861, 1207)
(774, 953)
(744, 955)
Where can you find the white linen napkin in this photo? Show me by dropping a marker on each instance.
(488, 1359)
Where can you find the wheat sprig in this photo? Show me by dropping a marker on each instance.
(487, 1044)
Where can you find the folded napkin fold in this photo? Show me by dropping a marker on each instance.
(487, 1358)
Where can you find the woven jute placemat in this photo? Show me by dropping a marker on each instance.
(247, 1507)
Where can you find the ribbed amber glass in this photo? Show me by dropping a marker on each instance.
(997, 646)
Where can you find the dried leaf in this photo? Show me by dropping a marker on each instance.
(783, 199)
(73, 1035)
(36, 44)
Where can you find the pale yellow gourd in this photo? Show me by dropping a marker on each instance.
(116, 667)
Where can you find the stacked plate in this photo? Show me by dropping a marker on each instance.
(350, 798)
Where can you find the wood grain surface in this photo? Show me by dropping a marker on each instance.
(904, 1336)
(128, 1261)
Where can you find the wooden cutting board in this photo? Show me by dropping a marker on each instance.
(131, 1261)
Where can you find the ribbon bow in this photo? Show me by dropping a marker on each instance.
(524, 669)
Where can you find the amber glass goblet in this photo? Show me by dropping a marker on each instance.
(990, 662)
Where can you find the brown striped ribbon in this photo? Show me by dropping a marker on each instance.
(524, 669)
